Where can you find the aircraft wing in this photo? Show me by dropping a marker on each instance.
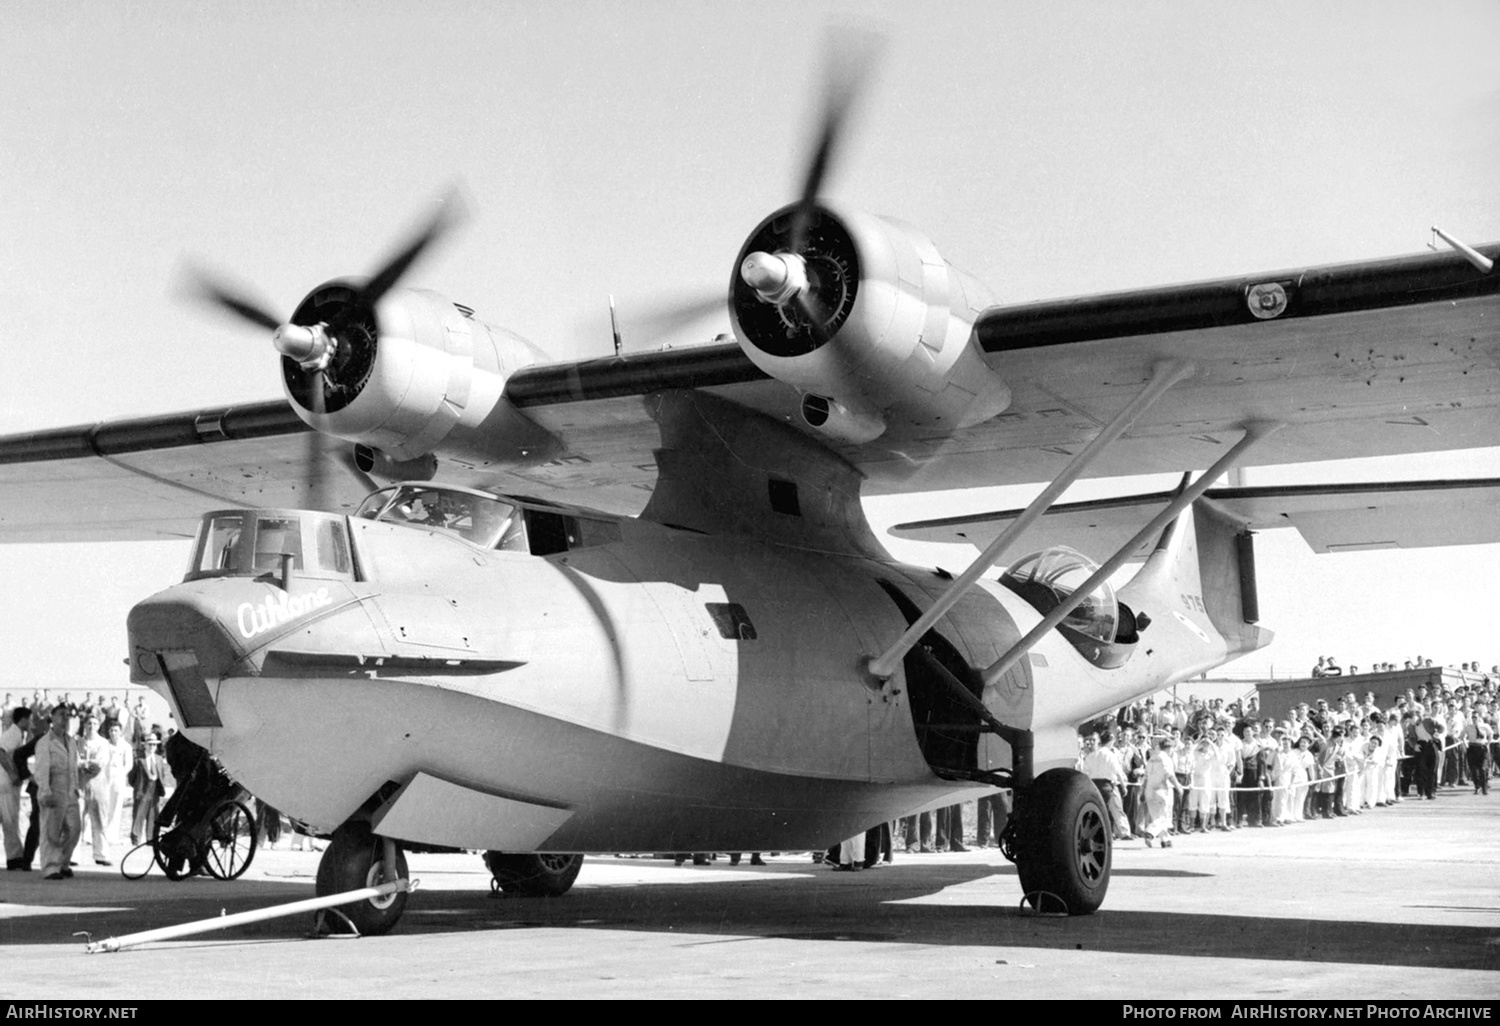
(1376, 358)
(152, 478)
(1330, 518)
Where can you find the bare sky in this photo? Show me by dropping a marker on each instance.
(627, 148)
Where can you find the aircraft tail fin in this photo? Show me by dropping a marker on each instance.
(1202, 574)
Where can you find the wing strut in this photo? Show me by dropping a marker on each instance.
(1254, 433)
(1469, 253)
(1163, 376)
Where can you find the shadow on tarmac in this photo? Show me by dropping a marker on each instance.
(900, 904)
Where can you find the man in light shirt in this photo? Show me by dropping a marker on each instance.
(57, 793)
(1101, 764)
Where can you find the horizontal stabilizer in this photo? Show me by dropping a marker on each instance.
(1331, 518)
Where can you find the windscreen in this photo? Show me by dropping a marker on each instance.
(254, 542)
(486, 521)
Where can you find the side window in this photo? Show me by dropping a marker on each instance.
(221, 539)
(732, 620)
(333, 546)
(588, 533)
(556, 532)
(548, 532)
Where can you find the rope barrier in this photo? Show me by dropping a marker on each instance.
(1309, 782)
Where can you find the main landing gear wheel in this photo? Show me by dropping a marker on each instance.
(1062, 842)
(353, 860)
(534, 876)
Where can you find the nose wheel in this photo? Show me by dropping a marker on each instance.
(1061, 843)
(356, 858)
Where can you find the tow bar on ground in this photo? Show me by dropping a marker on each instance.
(291, 908)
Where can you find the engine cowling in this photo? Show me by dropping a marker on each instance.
(881, 341)
(416, 375)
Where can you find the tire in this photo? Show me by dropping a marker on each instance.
(232, 838)
(534, 876)
(353, 860)
(1063, 842)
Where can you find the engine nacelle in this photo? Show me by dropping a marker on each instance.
(893, 350)
(374, 463)
(417, 375)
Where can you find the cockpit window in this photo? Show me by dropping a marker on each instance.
(221, 536)
(254, 542)
(332, 545)
(276, 537)
(1047, 578)
(486, 521)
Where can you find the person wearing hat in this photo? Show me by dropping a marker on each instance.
(1303, 768)
(149, 783)
(57, 785)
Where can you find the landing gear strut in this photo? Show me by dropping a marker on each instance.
(357, 858)
(1059, 839)
(534, 876)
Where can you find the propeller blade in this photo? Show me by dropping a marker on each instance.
(315, 468)
(450, 214)
(217, 292)
(674, 315)
(817, 320)
(852, 55)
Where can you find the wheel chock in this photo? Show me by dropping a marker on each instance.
(1033, 903)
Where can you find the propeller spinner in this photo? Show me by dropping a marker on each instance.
(805, 283)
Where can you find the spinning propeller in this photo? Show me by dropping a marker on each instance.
(789, 275)
(803, 289)
(328, 345)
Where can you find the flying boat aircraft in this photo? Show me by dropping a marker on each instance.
(448, 594)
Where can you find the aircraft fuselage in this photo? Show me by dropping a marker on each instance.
(658, 690)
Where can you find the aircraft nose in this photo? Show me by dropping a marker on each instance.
(183, 637)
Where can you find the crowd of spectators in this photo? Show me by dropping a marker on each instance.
(1169, 768)
(1164, 767)
(69, 770)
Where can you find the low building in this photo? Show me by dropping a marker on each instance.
(1277, 697)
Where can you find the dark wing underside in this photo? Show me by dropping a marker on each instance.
(1379, 358)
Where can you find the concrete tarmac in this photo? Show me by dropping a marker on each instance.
(1396, 903)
